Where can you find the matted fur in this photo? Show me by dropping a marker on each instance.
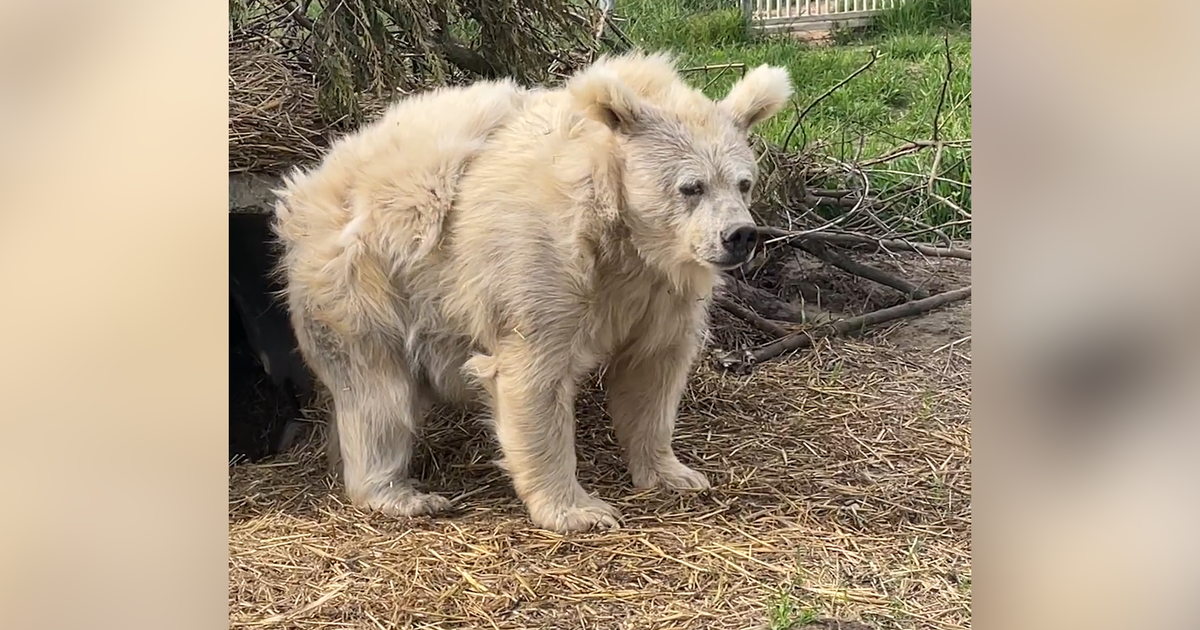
(492, 245)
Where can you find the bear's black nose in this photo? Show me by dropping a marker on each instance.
(739, 241)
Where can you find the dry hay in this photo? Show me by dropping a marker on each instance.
(274, 121)
(298, 78)
(842, 473)
(842, 481)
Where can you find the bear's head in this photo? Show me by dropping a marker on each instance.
(685, 162)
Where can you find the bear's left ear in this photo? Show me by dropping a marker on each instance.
(606, 98)
(758, 96)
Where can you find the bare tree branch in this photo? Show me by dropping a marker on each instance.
(741, 360)
(777, 234)
(770, 306)
(752, 318)
(880, 276)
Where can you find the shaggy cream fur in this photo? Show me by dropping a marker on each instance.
(492, 245)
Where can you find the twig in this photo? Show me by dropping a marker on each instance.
(608, 25)
(740, 361)
(777, 234)
(932, 190)
(606, 7)
(937, 114)
(912, 291)
(953, 206)
(723, 67)
(831, 192)
(935, 229)
(715, 66)
(800, 117)
(613, 28)
(910, 148)
(864, 195)
(750, 317)
(292, 614)
(937, 163)
(951, 344)
(862, 203)
(937, 130)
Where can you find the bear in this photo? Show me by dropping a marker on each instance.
(493, 245)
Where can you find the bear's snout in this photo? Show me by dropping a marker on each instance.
(739, 241)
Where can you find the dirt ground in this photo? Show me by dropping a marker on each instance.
(842, 492)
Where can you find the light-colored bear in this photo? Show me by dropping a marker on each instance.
(493, 245)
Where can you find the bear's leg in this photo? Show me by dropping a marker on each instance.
(534, 408)
(644, 391)
(378, 411)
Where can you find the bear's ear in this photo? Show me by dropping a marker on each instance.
(758, 96)
(605, 98)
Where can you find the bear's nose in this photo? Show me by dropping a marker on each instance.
(739, 241)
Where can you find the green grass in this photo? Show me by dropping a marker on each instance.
(785, 613)
(925, 16)
(886, 106)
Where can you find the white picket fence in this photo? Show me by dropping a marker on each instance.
(812, 15)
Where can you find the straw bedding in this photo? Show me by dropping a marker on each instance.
(842, 491)
(300, 73)
(842, 473)
(274, 121)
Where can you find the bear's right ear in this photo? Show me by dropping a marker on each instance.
(605, 98)
(758, 96)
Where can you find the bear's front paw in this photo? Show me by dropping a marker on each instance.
(583, 514)
(400, 499)
(671, 475)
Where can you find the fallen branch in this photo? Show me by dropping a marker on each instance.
(741, 360)
(769, 306)
(750, 317)
(777, 234)
(912, 291)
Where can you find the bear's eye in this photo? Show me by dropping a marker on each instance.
(744, 186)
(691, 189)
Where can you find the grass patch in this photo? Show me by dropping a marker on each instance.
(785, 613)
(925, 16)
(892, 103)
